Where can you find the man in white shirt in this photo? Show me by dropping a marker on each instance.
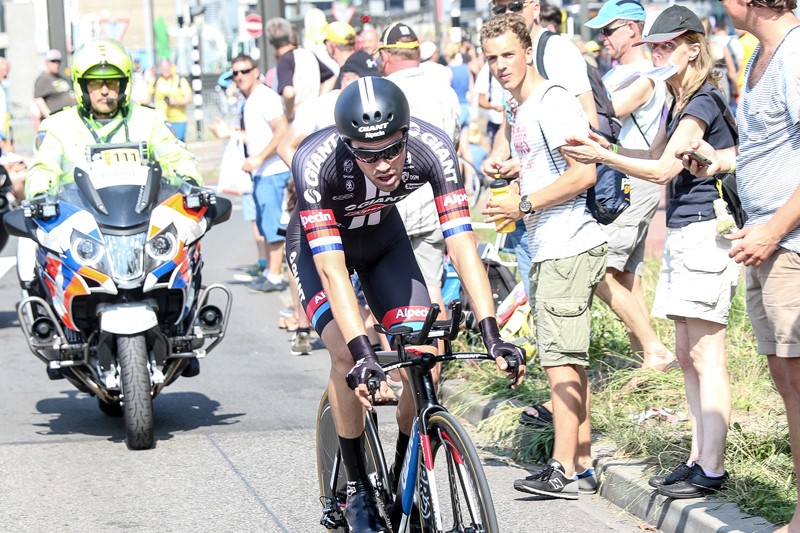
(567, 246)
(264, 125)
(640, 104)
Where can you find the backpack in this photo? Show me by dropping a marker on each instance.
(611, 194)
(609, 125)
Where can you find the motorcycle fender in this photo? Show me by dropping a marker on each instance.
(128, 318)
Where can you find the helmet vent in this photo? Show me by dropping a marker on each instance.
(365, 118)
(378, 116)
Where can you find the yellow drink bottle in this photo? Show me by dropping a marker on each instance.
(499, 187)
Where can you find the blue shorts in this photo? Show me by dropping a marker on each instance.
(178, 129)
(268, 192)
(248, 207)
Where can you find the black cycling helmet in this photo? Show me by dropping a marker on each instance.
(371, 109)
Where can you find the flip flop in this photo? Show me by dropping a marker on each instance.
(536, 415)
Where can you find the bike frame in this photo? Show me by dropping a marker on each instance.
(426, 404)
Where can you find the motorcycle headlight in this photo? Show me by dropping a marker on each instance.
(86, 250)
(162, 247)
(125, 253)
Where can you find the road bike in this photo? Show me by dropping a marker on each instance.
(442, 486)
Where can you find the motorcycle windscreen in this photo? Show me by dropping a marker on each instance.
(119, 202)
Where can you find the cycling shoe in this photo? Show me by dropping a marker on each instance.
(362, 512)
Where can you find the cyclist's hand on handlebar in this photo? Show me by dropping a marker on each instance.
(366, 372)
(510, 358)
(513, 364)
(362, 378)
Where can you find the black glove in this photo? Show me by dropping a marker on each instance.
(366, 363)
(497, 347)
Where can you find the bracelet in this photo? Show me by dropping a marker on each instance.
(614, 148)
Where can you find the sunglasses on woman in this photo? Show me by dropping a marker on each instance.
(515, 7)
(373, 156)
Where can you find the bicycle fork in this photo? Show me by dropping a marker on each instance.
(426, 497)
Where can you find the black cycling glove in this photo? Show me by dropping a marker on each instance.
(366, 366)
(496, 346)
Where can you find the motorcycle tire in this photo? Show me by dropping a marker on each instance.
(137, 400)
(113, 409)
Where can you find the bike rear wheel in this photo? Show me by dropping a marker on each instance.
(459, 485)
(331, 473)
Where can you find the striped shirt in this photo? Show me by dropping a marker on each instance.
(769, 137)
(566, 229)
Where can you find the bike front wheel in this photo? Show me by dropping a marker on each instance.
(456, 496)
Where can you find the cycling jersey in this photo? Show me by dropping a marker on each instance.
(339, 209)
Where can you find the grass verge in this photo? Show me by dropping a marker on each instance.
(758, 455)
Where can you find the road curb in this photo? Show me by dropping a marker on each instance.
(623, 482)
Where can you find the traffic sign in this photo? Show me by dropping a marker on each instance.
(253, 25)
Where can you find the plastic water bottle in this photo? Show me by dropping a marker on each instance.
(499, 187)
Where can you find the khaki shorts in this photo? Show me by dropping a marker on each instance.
(627, 235)
(697, 278)
(562, 291)
(773, 303)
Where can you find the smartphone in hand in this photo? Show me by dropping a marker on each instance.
(696, 156)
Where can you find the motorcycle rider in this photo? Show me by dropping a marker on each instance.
(105, 113)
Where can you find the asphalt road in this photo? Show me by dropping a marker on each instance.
(235, 445)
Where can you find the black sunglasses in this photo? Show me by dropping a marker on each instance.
(515, 7)
(373, 156)
(608, 32)
(243, 71)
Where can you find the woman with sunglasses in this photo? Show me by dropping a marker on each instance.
(697, 278)
(348, 179)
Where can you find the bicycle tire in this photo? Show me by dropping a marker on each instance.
(327, 444)
(464, 500)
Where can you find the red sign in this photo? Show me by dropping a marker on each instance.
(253, 25)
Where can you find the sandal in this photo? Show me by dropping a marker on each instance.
(536, 415)
(288, 323)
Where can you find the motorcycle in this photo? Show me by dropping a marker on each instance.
(116, 306)
(7, 202)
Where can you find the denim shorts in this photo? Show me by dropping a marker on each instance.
(268, 193)
(248, 207)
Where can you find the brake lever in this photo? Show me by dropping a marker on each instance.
(373, 385)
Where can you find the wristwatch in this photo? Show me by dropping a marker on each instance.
(525, 205)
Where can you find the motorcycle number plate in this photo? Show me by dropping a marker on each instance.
(121, 156)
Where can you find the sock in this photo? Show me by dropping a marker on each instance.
(354, 461)
(262, 262)
(274, 278)
(709, 473)
(586, 473)
(307, 331)
(399, 455)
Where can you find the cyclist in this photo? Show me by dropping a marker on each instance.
(348, 178)
(101, 77)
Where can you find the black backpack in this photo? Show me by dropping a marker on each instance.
(611, 194)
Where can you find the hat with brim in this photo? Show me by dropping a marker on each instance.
(617, 10)
(399, 36)
(362, 64)
(672, 23)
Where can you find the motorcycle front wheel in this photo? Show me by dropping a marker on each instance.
(137, 402)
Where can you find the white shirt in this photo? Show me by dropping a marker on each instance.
(435, 102)
(262, 106)
(567, 229)
(563, 64)
(486, 84)
(316, 114)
